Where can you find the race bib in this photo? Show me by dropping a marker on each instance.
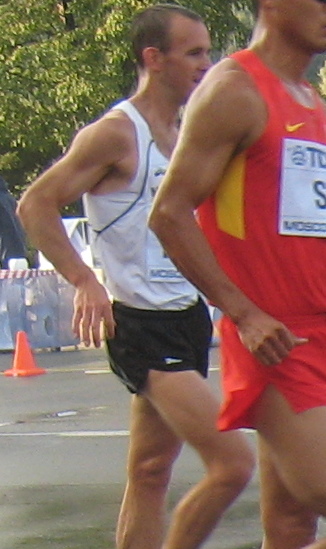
(302, 209)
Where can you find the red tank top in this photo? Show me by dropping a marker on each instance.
(284, 274)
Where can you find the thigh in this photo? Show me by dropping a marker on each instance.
(297, 444)
(188, 405)
(151, 441)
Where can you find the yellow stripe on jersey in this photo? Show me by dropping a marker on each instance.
(229, 201)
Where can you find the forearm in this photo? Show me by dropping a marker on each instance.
(46, 232)
(190, 251)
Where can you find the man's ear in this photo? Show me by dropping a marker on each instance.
(152, 58)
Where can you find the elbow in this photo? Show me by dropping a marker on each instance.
(27, 210)
(159, 220)
(22, 211)
(153, 220)
(30, 208)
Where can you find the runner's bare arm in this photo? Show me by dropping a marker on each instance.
(97, 149)
(213, 132)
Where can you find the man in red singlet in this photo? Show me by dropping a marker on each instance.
(251, 158)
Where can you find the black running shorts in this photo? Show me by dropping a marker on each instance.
(168, 341)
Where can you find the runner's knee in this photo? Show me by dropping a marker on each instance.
(242, 470)
(152, 471)
(284, 527)
(236, 472)
(242, 463)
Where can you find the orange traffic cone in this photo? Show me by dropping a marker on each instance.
(24, 363)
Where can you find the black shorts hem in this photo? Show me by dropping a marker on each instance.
(167, 341)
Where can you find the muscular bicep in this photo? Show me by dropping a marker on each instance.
(94, 153)
(197, 166)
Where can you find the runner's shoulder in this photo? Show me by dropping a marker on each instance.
(228, 79)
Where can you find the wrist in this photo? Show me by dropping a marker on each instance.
(82, 276)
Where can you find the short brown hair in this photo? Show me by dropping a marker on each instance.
(151, 26)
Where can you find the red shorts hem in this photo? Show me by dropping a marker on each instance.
(300, 378)
(238, 412)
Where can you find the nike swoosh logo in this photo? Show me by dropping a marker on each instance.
(171, 360)
(290, 128)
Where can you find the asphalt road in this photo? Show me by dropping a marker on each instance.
(64, 438)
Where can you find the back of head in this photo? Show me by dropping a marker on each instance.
(151, 26)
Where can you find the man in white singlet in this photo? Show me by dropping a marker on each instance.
(158, 329)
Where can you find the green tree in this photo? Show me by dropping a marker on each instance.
(64, 62)
(317, 73)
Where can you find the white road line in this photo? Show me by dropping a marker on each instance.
(95, 372)
(87, 434)
(248, 431)
(81, 434)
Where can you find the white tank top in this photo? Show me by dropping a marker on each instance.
(137, 271)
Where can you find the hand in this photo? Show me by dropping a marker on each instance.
(269, 340)
(91, 306)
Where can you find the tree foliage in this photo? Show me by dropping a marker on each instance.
(64, 62)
